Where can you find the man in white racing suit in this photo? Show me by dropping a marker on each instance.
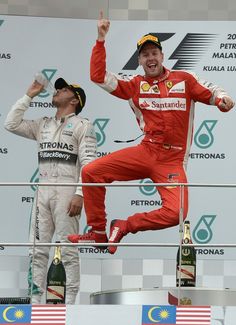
(66, 143)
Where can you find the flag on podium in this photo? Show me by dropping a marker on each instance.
(33, 314)
(172, 315)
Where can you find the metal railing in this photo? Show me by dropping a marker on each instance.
(122, 184)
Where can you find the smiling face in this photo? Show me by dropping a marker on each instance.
(151, 59)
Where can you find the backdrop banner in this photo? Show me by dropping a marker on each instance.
(62, 48)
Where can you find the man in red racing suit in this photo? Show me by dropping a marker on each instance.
(163, 102)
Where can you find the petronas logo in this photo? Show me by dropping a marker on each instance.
(86, 229)
(204, 137)
(100, 124)
(147, 190)
(35, 179)
(49, 74)
(202, 233)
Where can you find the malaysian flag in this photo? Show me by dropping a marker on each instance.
(193, 315)
(172, 315)
(33, 314)
(48, 314)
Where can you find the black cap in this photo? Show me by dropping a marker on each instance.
(148, 38)
(77, 90)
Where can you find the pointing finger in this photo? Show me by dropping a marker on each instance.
(101, 15)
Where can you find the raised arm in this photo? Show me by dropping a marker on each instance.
(103, 27)
(15, 121)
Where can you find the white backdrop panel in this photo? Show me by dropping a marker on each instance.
(62, 48)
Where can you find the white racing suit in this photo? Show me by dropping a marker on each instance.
(64, 146)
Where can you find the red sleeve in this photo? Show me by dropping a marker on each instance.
(199, 92)
(114, 84)
(98, 62)
(206, 92)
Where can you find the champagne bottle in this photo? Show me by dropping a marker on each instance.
(187, 274)
(56, 280)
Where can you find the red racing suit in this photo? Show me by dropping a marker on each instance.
(164, 109)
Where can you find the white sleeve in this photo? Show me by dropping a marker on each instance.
(16, 124)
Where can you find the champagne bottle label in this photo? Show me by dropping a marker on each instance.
(186, 272)
(55, 293)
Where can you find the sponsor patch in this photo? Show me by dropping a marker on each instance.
(145, 88)
(163, 104)
(177, 88)
(169, 84)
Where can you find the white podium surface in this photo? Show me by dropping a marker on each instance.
(132, 315)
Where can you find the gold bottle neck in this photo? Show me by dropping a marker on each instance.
(187, 235)
(57, 255)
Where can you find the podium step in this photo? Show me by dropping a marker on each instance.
(164, 296)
